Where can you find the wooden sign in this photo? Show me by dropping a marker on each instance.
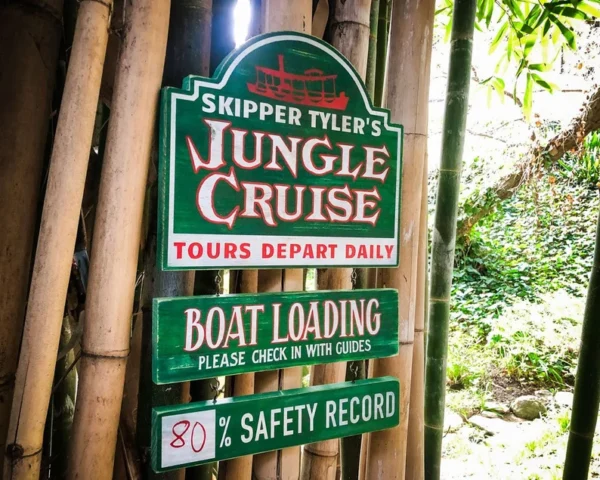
(196, 433)
(279, 160)
(204, 337)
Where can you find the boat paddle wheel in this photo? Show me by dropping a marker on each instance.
(311, 88)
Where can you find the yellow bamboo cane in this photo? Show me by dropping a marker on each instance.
(407, 98)
(116, 240)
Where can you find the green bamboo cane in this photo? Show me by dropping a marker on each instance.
(372, 58)
(442, 258)
(383, 37)
(587, 382)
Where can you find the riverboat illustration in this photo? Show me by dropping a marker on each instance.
(312, 88)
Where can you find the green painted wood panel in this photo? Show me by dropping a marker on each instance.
(279, 160)
(203, 337)
(196, 433)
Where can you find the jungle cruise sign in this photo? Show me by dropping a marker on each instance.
(280, 160)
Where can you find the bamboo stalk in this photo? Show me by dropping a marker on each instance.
(442, 254)
(283, 464)
(372, 57)
(350, 35)
(244, 281)
(188, 19)
(407, 98)
(117, 234)
(383, 39)
(350, 447)
(30, 35)
(587, 386)
(56, 241)
(415, 462)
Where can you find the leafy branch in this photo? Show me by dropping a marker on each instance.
(531, 35)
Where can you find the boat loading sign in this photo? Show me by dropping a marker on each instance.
(278, 161)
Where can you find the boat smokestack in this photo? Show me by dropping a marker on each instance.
(280, 58)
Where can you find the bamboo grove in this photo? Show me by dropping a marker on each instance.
(79, 187)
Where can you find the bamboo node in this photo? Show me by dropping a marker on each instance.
(107, 3)
(14, 451)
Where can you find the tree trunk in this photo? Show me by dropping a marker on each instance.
(415, 452)
(282, 464)
(485, 202)
(587, 383)
(29, 40)
(442, 255)
(407, 98)
(107, 328)
(56, 241)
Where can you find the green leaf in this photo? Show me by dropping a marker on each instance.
(498, 37)
(570, 12)
(589, 9)
(566, 32)
(527, 98)
(481, 9)
(547, 26)
(542, 83)
(540, 67)
(489, 11)
(498, 84)
(529, 44)
(533, 16)
(513, 5)
(522, 66)
(448, 30)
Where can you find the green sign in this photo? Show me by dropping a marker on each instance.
(204, 337)
(196, 433)
(279, 160)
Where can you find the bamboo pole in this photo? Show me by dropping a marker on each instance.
(105, 343)
(282, 464)
(415, 463)
(56, 241)
(29, 42)
(587, 386)
(188, 19)
(444, 237)
(407, 98)
(372, 57)
(350, 35)
(243, 281)
(350, 447)
(383, 40)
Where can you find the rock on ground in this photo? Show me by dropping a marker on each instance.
(528, 407)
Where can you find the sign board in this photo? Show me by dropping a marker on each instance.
(280, 160)
(196, 433)
(204, 337)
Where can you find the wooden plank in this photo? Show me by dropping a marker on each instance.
(200, 337)
(267, 166)
(193, 434)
